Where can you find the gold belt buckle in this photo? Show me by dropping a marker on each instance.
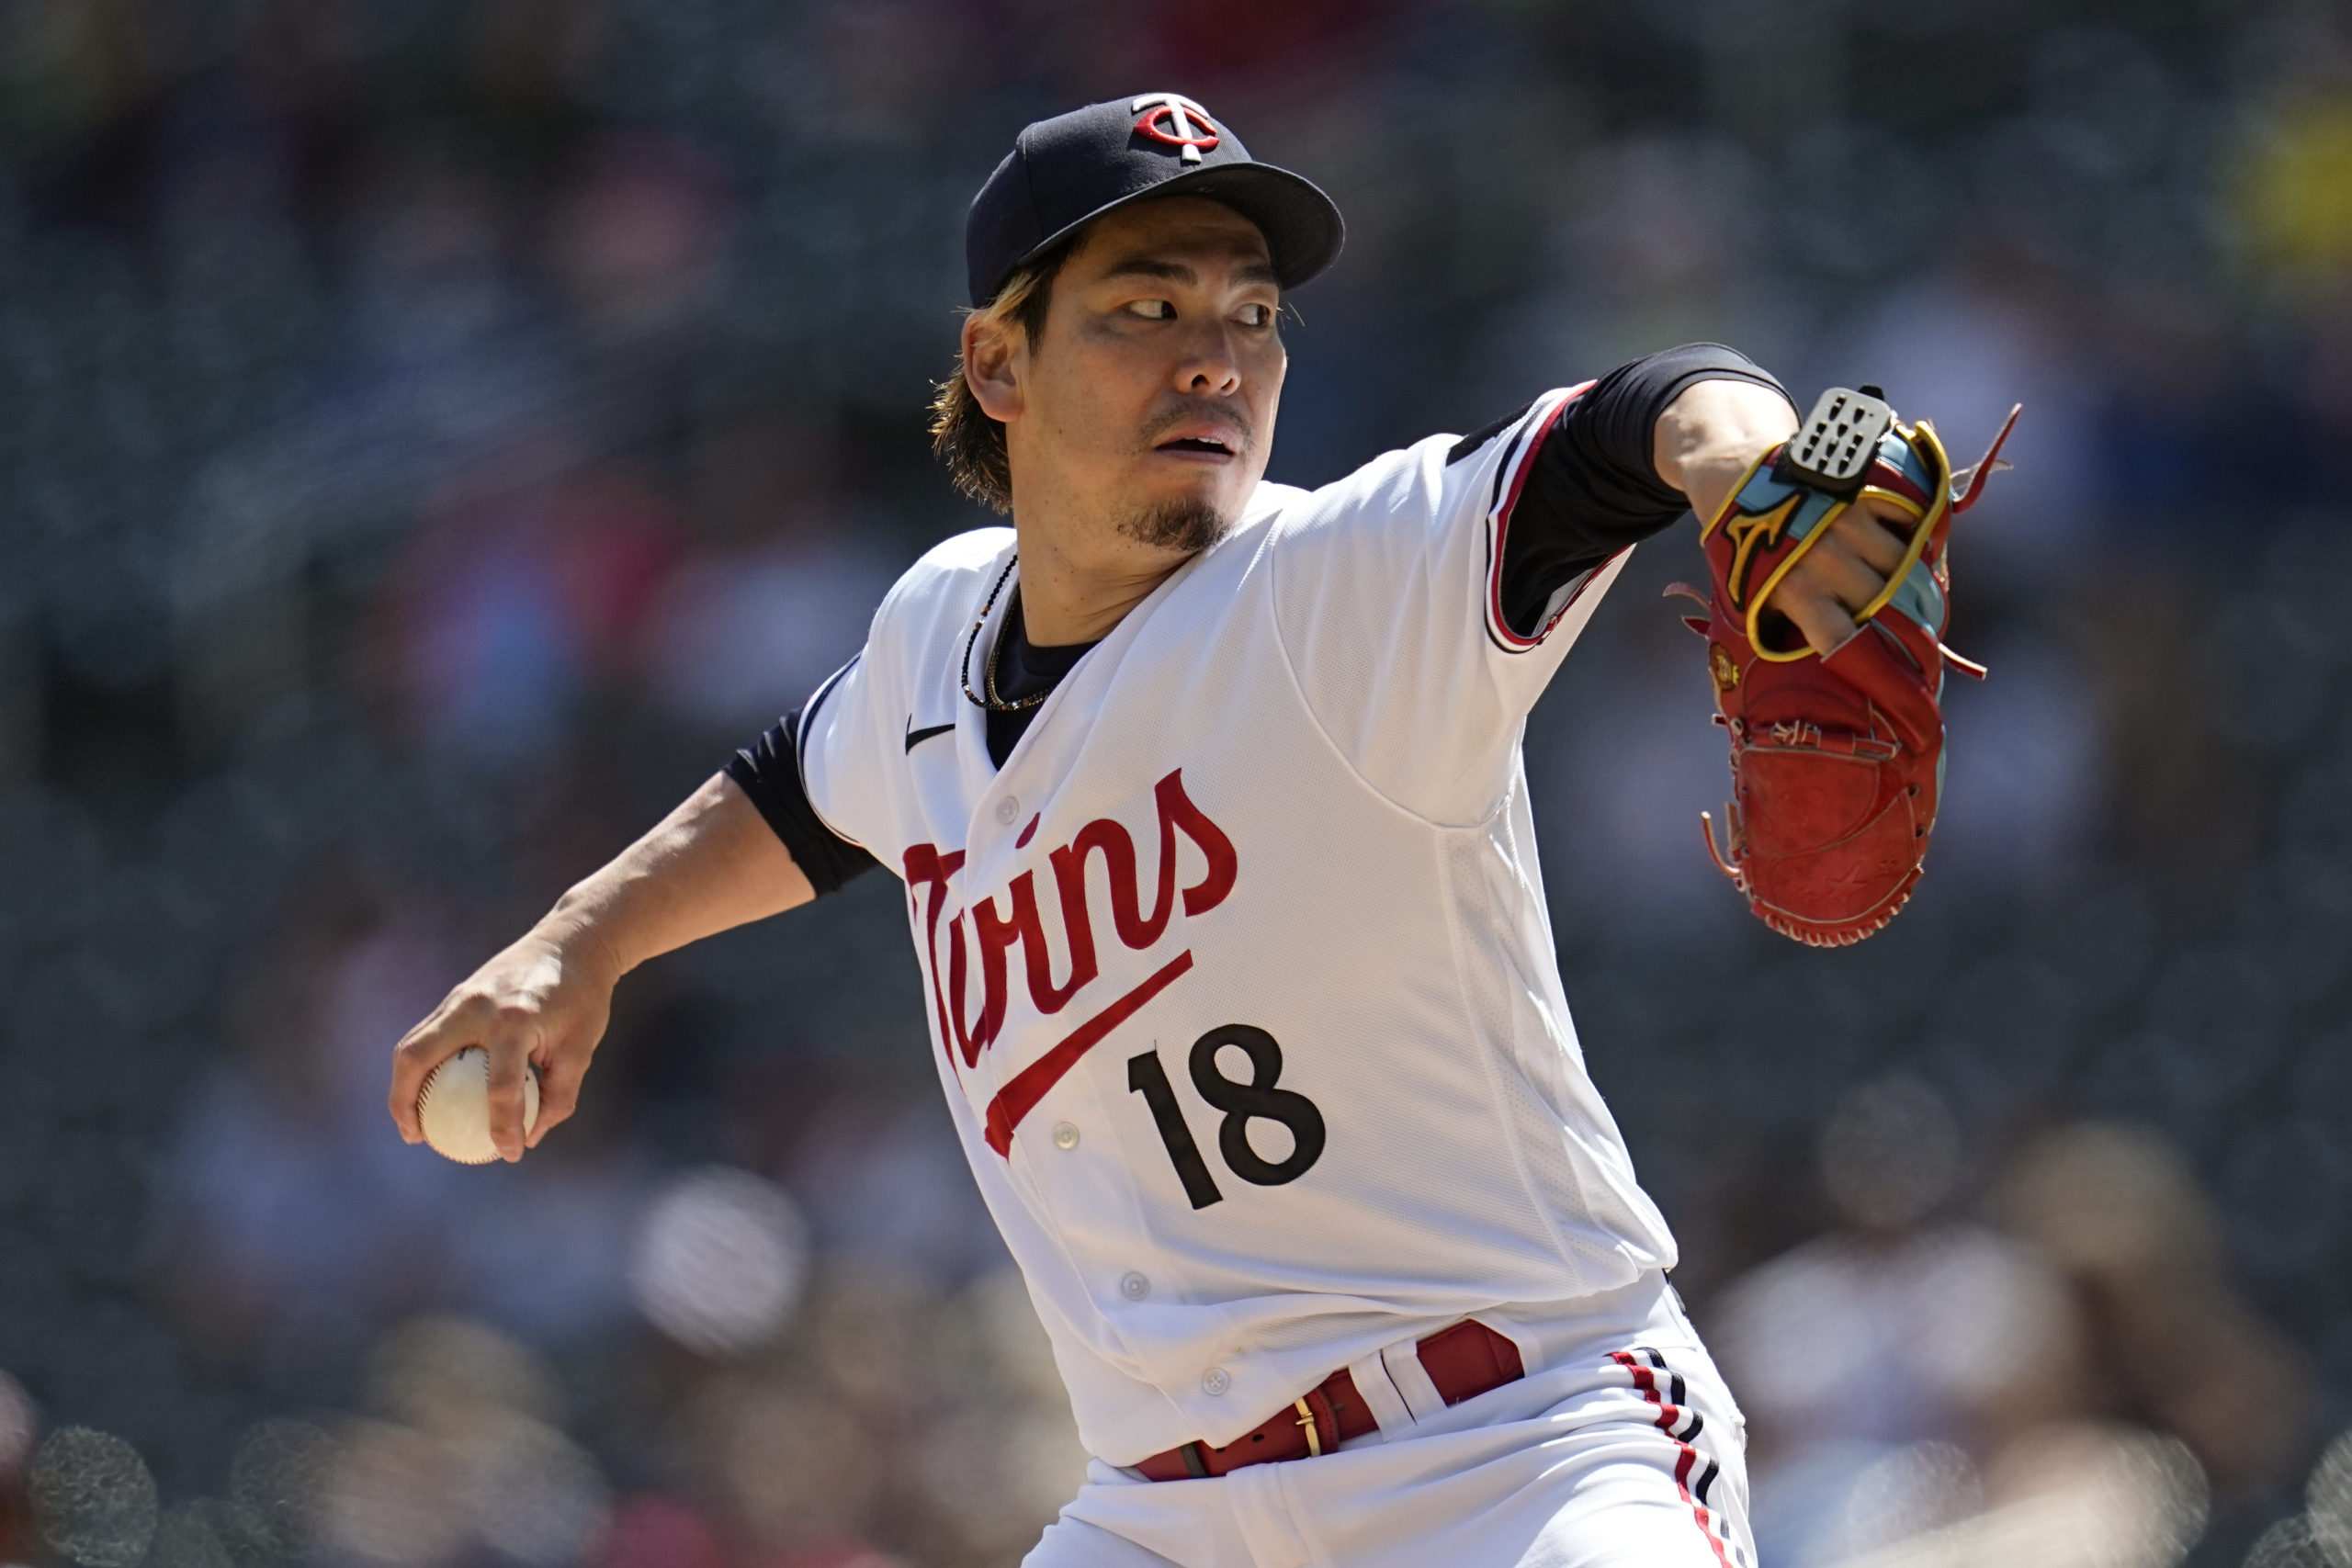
(1307, 1421)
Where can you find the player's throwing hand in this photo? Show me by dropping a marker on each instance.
(708, 866)
(542, 1003)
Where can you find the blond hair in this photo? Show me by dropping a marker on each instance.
(962, 436)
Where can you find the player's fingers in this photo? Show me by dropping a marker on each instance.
(1862, 530)
(1832, 568)
(1815, 612)
(509, 1044)
(559, 1078)
(453, 1026)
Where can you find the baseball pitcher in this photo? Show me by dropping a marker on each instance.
(1208, 800)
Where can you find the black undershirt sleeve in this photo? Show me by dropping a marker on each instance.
(769, 772)
(1594, 489)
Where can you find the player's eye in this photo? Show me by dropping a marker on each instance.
(1154, 309)
(1257, 315)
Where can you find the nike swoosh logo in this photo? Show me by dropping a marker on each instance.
(917, 736)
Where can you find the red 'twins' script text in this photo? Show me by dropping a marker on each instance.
(995, 932)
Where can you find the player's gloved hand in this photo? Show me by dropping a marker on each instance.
(1825, 642)
(543, 1001)
(1831, 583)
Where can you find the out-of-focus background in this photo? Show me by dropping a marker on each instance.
(435, 432)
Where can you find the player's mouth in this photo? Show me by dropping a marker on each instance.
(1212, 435)
(1210, 449)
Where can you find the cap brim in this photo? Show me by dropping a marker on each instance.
(1303, 228)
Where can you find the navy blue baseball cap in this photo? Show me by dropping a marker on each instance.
(1065, 172)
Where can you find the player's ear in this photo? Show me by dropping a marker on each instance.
(995, 355)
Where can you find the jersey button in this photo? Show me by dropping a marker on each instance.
(1214, 1382)
(1065, 1134)
(1007, 809)
(1134, 1287)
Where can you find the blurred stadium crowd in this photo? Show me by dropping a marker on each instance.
(434, 433)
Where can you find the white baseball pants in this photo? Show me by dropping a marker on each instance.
(1626, 1452)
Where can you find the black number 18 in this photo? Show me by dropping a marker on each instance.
(1257, 1099)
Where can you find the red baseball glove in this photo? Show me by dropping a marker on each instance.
(1837, 762)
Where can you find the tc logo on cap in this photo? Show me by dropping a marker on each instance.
(1187, 125)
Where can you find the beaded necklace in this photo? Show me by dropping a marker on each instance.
(993, 702)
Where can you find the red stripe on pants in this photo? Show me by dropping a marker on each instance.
(1669, 1418)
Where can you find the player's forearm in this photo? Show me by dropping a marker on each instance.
(1712, 431)
(710, 865)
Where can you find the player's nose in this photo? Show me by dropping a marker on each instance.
(1209, 365)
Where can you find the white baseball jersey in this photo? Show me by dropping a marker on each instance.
(1240, 972)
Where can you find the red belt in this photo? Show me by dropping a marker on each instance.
(1463, 1361)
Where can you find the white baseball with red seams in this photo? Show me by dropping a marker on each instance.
(1242, 983)
(453, 1107)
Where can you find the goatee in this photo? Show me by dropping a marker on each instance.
(1189, 526)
